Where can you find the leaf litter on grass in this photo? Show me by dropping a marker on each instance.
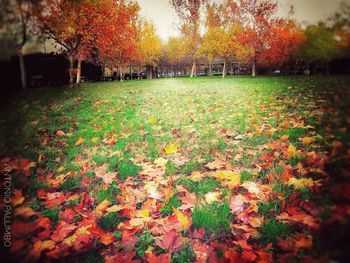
(243, 176)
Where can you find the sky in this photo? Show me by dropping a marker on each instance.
(309, 11)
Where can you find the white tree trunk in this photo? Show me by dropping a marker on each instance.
(78, 71)
(193, 69)
(71, 71)
(224, 70)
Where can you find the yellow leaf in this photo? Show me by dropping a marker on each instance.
(153, 120)
(80, 141)
(95, 139)
(292, 151)
(184, 220)
(149, 250)
(306, 140)
(114, 208)
(161, 162)
(60, 169)
(171, 148)
(233, 178)
(102, 207)
(301, 183)
(143, 213)
(212, 197)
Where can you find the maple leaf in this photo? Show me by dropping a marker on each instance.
(60, 133)
(55, 199)
(102, 207)
(301, 183)
(216, 164)
(171, 148)
(170, 241)
(299, 217)
(79, 141)
(23, 166)
(212, 197)
(107, 238)
(183, 219)
(107, 177)
(128, 258)
(292, 151)
(248, 256)
(162, 258)
(62, 230)
(18, 197)
(237, 204)
(25, 212)
(233, 179)
(201, 250)
(161, 162)
(39, 246)
(306, 140)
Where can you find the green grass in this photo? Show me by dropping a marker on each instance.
(185, 255)
(174, 201)
(274, 229)
(214, 218)
(127, 169)
(114, 120)
(145, 240)
(110, 221)
(53, 215)
(202, 187)
(109, 194)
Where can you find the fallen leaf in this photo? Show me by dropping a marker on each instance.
(161, 162)
(162, 258)
(170, 241)
(60, 133)
(79, 141)
(170, 149)
(212, 197)
(183, 219)
(306, 140)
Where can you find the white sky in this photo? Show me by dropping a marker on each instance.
(164, 17)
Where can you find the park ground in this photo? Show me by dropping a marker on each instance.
(180, 170)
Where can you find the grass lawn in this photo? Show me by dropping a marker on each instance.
(238, 170)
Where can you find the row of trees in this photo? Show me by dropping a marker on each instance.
(250, 31)
(112, 34)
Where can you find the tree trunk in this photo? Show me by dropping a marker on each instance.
(151, 72)
(78, 71)
(210, 73)
(22, 69)
(193, 69)
(254, 68)
(224, 70)
(71, 71)
(120, 74)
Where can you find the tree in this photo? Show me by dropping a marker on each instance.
(118, 45)
(321, 45)
(175, 53)
(71, 24)
(257, 17)
(221, 39)
(189, 13)
(150, 46)
(284, 40)
(14, 26)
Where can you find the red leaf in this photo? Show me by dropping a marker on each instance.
(162, 258)
(170, 241)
